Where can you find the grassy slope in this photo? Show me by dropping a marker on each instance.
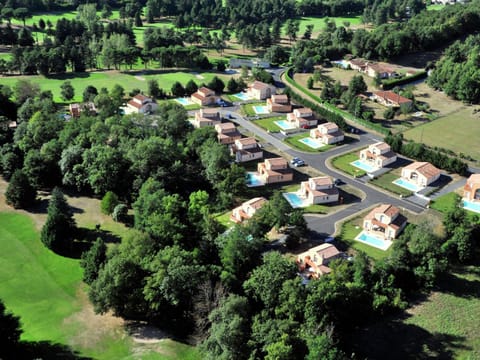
(42, 288)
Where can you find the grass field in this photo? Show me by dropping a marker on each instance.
(108, 79)
(45, 290)
(294, 140)
(269, 123)
(342, 163)
(385, 182)
(319, 24)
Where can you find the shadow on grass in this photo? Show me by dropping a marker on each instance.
(45, 350)
(460, 287)
(395, 340)
(90, 235)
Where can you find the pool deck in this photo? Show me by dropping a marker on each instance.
(295, 206)
(387, 243)
(417, 189)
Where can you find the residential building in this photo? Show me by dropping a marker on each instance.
(327, 133)
(204, 96)
(314, 262)
(385, 221)
(279, 103)
(141, 104)
(227, 133)
(275, 170)
(378, 155)
(76, 109)
(302, 117)
(246, 149)
(420, 173)
(319, 190)
(358, 64)
(375, 69)
(471, 191)
(260, 91)
(247, 209)
(206, 117)
(389, 98)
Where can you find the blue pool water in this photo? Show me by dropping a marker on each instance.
(364, 166)
(373, 241)
(342, 63)
(294, 200)
(472, 206)
(242, 96)
(284, 124)
(184, 101)
(313, 143)
(253, 179)
(407, 185)
(260, 109)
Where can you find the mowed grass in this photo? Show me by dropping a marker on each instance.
(294, 140)
(458, 131)
(385, 182)
(45, 289)
(108, 79)
(319, 23)
(342, 163)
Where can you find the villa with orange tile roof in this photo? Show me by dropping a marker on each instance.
(246, 149)
(279, 103)
(319, 190)
(204, 96)
(76, 109)
(378, 155)
(327, 133)
(247, 209)
(302, 117)
(385, 221)
(376, 69)
(421, 173)
(471, 190)
(140, 104)
(206, 117)
(275, 170)
(260, 91)
(227, 133)
(314, 262)
(389, 98)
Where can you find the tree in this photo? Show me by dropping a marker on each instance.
(20, 193)
(216, 84)
(120, 213)
(227, 338)
(10, 331)
(232, 85)
(109, 201)
(57, 232)
(22, 13)
(177, 89)
(89, 93)
(138, 19)
(67, 91)
(92, 260)
(153, 89)
(389, 114)
(191, 87)
(310, 82)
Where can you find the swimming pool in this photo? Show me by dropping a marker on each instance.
(362, 165)
(342, 63)
(313, 143)
(373, 241)
(284, 124)
(242, 96)
(472, 206)
(260, 109)
(184, 101)
(253, 179)
(407, 185)
(295, 200)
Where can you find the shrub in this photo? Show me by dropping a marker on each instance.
(120, 213)
(109, 201)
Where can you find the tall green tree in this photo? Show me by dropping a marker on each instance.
(67, 91)
(92, 260)
(58, 231)
(20, 193)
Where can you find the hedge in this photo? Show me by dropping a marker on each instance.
(389, 84)
(328, 111)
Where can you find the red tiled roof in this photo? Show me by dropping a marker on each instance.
(392, 97)
(424, 168)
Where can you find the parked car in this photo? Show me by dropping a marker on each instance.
(305, 126)
(300, 162)
(294, 160)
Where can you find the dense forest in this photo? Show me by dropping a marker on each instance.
(457, 73)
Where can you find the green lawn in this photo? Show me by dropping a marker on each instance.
(248, 108)
(342, 163)
(319, 23)
(435, 7)
(269, 123)
(43, 289)
(446, 202)
(385, 181)
(224, 219)
(108, 79)
(294, 140)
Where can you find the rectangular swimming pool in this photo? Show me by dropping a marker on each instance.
(472, 206)
(260, 109)
(242, 96)
(253, 179)
(373, 241)
(284, 124)
(407, 185)
(184, 101)
(313, 143)
(362, 165)
(342, 63)
(295, 200)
